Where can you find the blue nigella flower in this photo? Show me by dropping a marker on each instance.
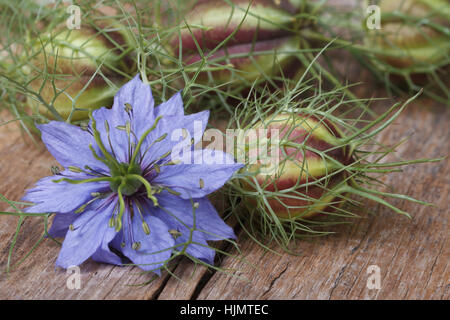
(121, 195)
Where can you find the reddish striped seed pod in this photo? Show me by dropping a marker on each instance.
(414, 34)
(261, 34)
(303, 179)
(65, 67)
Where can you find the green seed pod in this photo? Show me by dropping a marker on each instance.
(301, 181)
(67, 66)
(259, 36)
(414, 34)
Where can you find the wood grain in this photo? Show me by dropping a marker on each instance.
(412, 255)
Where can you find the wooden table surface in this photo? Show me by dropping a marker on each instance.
(412, 255)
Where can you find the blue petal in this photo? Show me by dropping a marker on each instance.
(141, 117)
(104, 253)
(155, 248)
(198, 179)
(90, 231)
(70, 145)
(119, 140)
(172, 107)
(173, 209)
(139, 96)
(60, 224)
(178, 215)
(173, 126)
(62, 197)
(198, 246)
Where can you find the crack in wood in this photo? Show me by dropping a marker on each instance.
(157, 293)
(336, 282)
(434, 263)
(275, 279)
(209, 273)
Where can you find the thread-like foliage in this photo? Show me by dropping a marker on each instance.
(28, 28)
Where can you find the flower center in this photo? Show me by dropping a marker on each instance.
(127, 177)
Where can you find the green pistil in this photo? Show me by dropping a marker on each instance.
(147, 186)
(109, 160)
(121, 208)
(83, 181)
(141, 140)
(96, 156)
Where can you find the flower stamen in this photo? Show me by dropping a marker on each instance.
(145, 226)
(136, 246)
(112, 221)
(152, 144)
(175, 233)
(95, 171)
(128, 108)
(109, 138)
(79, 170)
(55, 170)
(151, 164)
(96, 196)
(110, 160)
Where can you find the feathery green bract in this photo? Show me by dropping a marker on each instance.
(410, 52)
(359, 180)
(315, 89)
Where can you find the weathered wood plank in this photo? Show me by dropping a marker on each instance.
(189, 279)
(412, 254)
